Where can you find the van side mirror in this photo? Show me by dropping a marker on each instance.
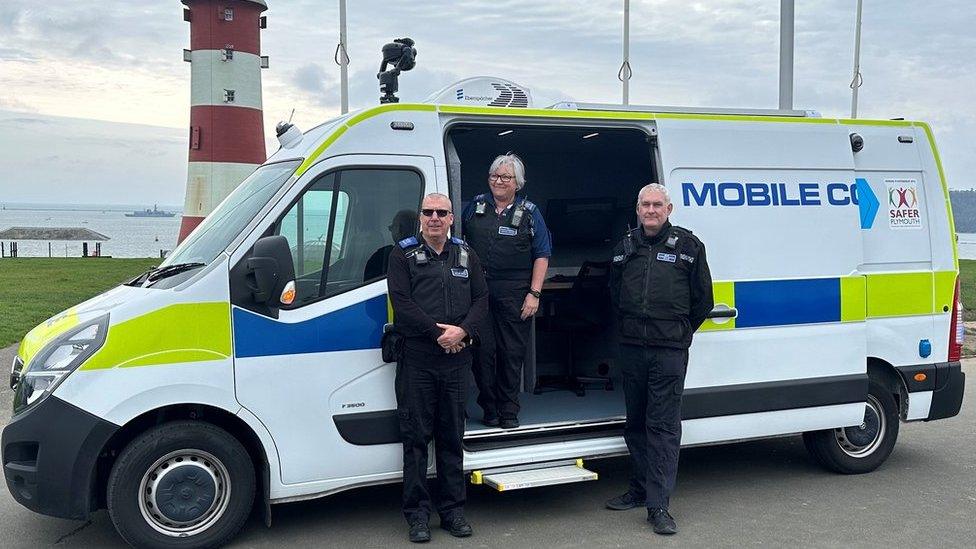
(269, 269)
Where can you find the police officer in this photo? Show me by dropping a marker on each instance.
(439, 300)
(662, 290)
(510, 236)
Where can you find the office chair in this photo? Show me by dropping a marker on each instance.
(585, 310)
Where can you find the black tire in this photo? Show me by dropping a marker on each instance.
(861, 448)
(200, 495)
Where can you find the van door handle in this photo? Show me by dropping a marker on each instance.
(723, 311)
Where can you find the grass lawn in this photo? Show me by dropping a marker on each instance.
(967, 270)
(35, 289)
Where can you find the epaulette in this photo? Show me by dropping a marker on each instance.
(408, 242)
(529, 205)
(458, 241)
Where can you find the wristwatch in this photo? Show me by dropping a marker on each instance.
(535, 293)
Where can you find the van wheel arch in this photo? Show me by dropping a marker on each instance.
(227, 421)
(884, 373)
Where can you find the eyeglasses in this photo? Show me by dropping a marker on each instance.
(505, 178)
(429, 212)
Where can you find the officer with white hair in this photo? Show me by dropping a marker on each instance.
(662, 290)
(510, 236)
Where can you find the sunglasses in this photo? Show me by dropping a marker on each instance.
(429, 212)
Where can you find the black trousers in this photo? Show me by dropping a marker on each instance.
(654, 378)
(430, 405)
(498, 360)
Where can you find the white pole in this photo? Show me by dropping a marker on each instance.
(856, 80)
(786, 54)
(625, 73)
(343, 59)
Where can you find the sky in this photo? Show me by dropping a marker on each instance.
(94, 96)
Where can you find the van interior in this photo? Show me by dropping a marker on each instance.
(585, 180)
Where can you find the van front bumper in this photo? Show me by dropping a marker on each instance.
(49, 456)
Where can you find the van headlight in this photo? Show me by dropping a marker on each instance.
(55, 361)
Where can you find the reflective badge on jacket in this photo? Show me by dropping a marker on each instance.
(670, 258)
(460, 273)
(507, 231)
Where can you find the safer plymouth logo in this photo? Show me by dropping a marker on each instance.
(903, 210)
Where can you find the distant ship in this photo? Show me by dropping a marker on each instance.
(155, 212)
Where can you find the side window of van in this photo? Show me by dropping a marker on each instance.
(343, 228)
(306, 226)
(382, 210)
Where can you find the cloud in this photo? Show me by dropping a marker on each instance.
(58, 159)
(121, 59)
(14, 104)
(311, 78)
(16, 54)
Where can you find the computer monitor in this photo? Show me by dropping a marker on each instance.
(581, 221)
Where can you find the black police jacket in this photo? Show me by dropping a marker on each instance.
(427, 288)
(504, 242)
(661, 287)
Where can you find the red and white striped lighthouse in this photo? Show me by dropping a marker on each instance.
(226, 121)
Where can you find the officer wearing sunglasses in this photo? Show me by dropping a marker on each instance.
(511, 237)
(440, 300)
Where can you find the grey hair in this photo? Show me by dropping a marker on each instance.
(517, 166)
(439, 196)
(657, 187)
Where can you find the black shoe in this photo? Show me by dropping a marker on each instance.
(625, 501)
(508, 423)
(457, 526)
(662, 522)
(490, 420)
(419, 532)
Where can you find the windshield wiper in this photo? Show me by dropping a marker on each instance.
(156, 273)
(170, 270)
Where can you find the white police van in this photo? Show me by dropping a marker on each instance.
(246, 369)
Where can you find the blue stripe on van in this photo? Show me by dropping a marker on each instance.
(784, 302)
(358, 326)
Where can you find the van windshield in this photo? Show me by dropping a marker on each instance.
(227, 221)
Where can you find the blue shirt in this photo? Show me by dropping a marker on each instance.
(541, 241)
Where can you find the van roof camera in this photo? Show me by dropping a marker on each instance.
(403, 56)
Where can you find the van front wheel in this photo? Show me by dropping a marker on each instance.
(859, 448)
(183, 484)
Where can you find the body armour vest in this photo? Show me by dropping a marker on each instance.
(504, 243)
(441, 288)
(655, 287)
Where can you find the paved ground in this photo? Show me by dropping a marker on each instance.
(757, 493)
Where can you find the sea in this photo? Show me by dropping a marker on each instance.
(127, 236)
(145, 236)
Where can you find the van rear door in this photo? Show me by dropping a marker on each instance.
(773, 202)
(901, 301)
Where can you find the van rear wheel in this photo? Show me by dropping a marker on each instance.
(183, 484)
(859, 448)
